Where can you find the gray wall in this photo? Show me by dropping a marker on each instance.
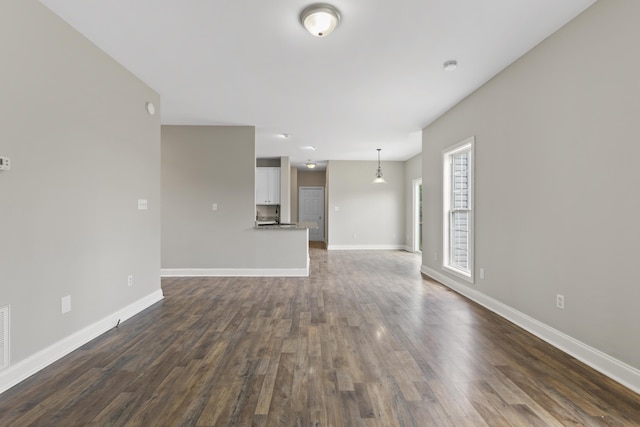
(556, 180)
(84, 150)
(311, 178)
(202, 165)
(373, 212)
(285, 189)
(270, 162)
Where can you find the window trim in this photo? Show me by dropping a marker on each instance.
(417, 218)
(447, 191)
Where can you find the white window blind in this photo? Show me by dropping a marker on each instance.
(460, 211)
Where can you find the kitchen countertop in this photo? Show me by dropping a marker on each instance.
(288, 226)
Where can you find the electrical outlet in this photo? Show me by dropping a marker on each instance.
(143, 205)
(214, 207)
(354, 235)
(560, 301)
(65, 304)
(130, 280)
(5, 164)
(482, 273)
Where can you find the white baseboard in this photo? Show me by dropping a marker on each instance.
(366, 247)
(613, 368)
(235, 272)
(22, 370)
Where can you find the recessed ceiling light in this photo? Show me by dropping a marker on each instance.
(320, 19)
(450, 65)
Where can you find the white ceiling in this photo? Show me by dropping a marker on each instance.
(374, 83)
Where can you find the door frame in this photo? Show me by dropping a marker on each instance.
(324, 208)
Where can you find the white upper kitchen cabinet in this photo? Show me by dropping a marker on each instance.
(268, 186)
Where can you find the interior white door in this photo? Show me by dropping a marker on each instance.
(311, 209)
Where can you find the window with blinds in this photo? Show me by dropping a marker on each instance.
(4, 337)
(458, 209)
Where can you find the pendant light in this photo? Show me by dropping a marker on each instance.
(379, 179)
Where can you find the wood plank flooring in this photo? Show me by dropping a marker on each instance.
(365, 341)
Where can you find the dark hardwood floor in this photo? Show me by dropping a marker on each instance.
(364, 341)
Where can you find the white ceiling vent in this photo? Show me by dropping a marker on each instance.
(4, 337)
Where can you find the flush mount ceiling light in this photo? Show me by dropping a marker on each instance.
(309, 148)
(320, 19)
(285, 135)
(310, 164)
(379, 179)
(450, 65)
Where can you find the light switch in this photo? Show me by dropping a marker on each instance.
(142, 204)
(337, 208)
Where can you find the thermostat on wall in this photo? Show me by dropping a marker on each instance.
(5, 165)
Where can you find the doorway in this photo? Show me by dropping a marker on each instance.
(311, 209)
(417, 215)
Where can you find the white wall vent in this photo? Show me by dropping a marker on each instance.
(4, 336)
